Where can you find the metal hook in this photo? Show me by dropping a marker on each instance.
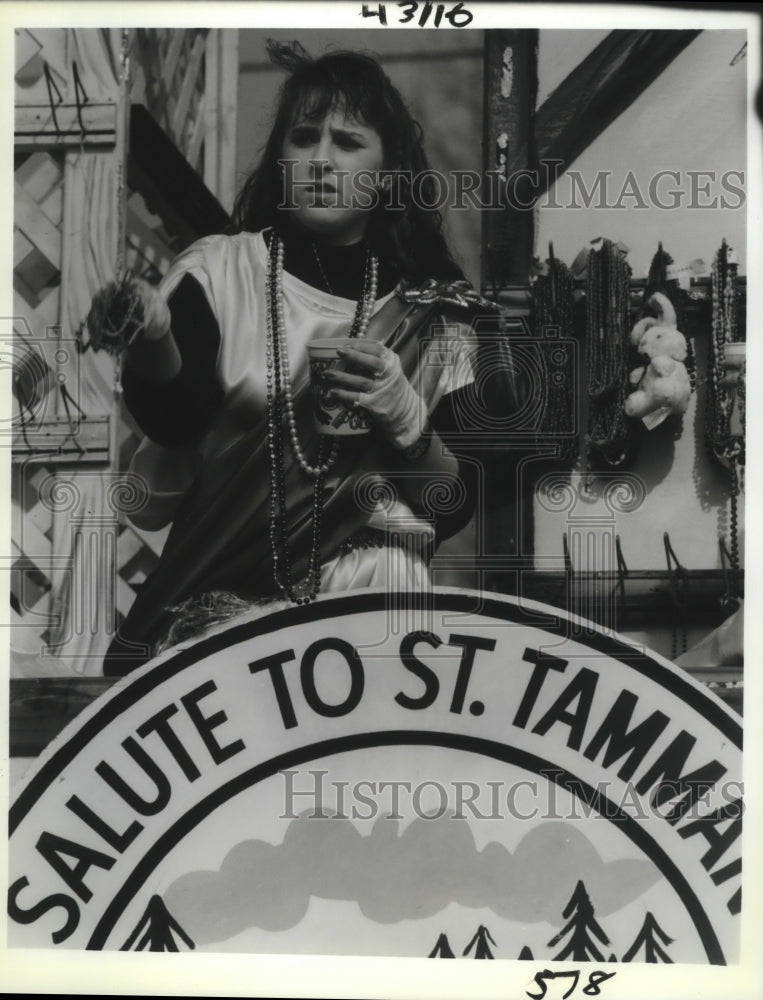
(79, 92)
(51, 85)
(740, 55)
(725, 560)
(569, 572)
(567, 561)
(676, 570)
(66, 397)
(679, 595)
(729, 601)
(670, 555)
(622, 571)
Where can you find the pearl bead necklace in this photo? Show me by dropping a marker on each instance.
(280, 403)
(358, 329)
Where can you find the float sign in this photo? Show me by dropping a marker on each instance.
(365, 776)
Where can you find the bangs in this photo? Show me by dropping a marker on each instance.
(315, 102)
(357, 94)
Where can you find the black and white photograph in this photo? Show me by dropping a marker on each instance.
(376, 445)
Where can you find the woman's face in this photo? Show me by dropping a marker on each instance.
(322, 183)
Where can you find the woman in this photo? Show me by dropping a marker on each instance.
(326, 242)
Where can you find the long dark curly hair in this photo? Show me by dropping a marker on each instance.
(410, 241)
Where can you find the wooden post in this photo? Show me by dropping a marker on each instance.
(220, 101)
(511, 61)
(511, 85)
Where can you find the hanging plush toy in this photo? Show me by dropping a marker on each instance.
(662, 382)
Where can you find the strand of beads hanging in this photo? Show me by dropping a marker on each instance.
(278, 507)
(363, 312)
(279, 547)
(280, 410)
(734, 527)
(367, 300)
(726, 447)
(553, 322)
(326, 281)
(279, 337)
(607, 340)
(742, 399)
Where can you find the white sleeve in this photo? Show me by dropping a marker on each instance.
(195, 260)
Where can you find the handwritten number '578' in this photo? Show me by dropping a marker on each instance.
(591, 990)
(457, 15)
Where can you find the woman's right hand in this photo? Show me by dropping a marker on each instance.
(153, 353)
(126, 313)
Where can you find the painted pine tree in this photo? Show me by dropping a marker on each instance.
(647, 938)
(481, 943)
(582, 928)
(159, 929)
(442, 948)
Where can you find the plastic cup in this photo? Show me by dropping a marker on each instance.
(331, 415)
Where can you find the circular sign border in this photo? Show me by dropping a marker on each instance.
(555, 621)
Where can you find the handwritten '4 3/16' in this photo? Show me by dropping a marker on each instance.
(591, 990)
(456, 15)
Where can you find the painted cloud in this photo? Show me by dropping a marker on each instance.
(395, 875)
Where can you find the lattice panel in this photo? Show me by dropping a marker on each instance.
(90, 533)
(37, 372)
(169, 78)
(32, 550)
(38, 205)
(38, 215)
(34, 48)
(138, 555)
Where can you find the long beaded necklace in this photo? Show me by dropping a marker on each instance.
(280, 408)
(720, 401)
(326, 281)
(553, 308)
(727, 447)
(607, 339)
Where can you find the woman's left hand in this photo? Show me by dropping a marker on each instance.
(381, 389)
